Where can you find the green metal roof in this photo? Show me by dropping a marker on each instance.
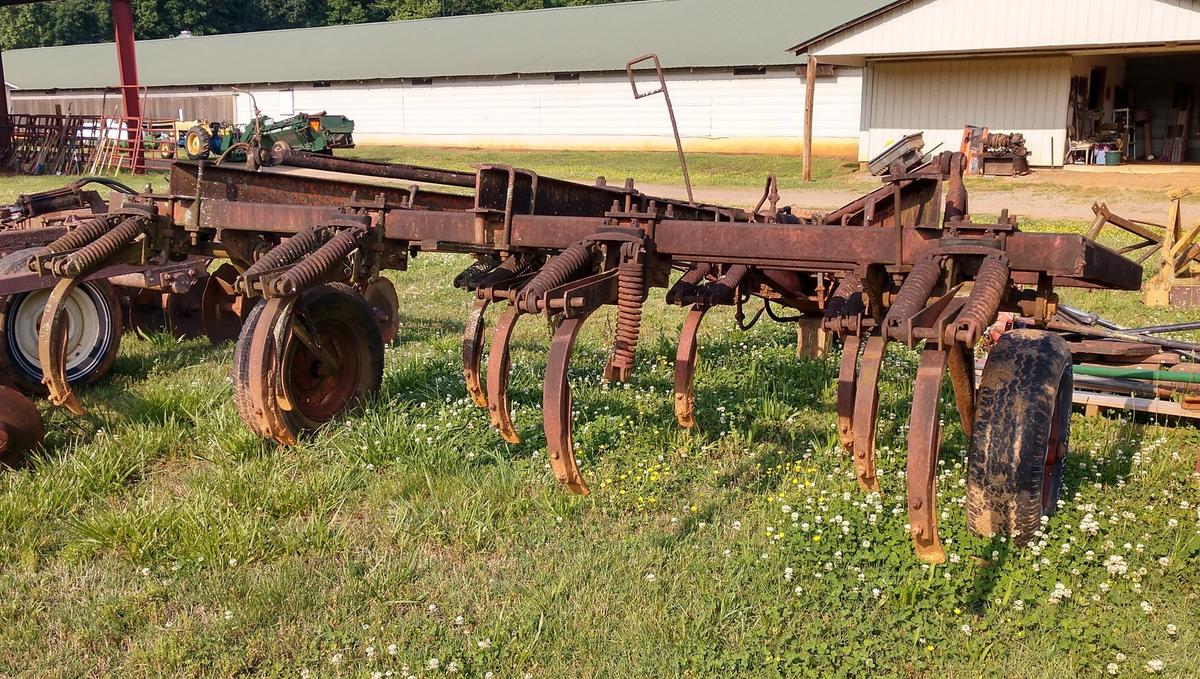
(685, 34)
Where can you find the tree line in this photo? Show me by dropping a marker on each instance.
(73, 22)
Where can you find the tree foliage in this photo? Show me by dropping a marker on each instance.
(72, 22)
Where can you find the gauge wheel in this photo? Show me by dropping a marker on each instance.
(93, 334)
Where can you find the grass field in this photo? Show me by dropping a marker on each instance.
(156, 537)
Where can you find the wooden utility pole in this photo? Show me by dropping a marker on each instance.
(810, 91)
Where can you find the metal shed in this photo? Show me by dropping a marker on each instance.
(1060, 71)
(550, 78)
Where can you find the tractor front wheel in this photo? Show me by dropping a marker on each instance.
(198, 143)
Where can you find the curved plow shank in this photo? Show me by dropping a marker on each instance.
(866, 413)
(497, 376)
(472, 352)
(685, 367)
(21, 428)
(924, 439)
(847, 383)
(271, 333)
(556, 406)
(52, 347)
(962, 376)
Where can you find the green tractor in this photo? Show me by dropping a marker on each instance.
(318, 133)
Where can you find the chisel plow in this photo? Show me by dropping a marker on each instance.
(903, 264)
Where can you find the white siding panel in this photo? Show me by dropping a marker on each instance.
(940, 97)
(708, 106)
(972, 26)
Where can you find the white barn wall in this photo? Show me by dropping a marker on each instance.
(940, 97)
(716, 111)
(973, 27)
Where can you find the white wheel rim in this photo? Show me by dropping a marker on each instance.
(83, 330)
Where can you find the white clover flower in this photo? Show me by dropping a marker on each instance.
(1116, 565)
(1113, 668)
(452, 667)
(1147, 608)
(1018, 605)
(484, 644)
(1060, 592)
(433, 663)
(336, 659)
(1172, 630)
(788, 573)
(966, 629)
(1164, 561)
(393, 649)
(1089, 525)
(1154, 666)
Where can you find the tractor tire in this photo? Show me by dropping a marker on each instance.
(198, 143)
(167, 149)
(94, 334)
(1021, 433)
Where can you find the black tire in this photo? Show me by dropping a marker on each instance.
(341, 316)
(1021, 433)
(91, 362)
(197, 143)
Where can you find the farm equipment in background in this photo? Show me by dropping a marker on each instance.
(200, 139)
(902, 264)
(995, 154)
(1177, 282)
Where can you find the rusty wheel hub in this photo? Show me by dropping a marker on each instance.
(323, 380)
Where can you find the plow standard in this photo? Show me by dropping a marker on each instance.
(306, 248)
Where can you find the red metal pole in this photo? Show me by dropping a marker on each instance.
(122, 17)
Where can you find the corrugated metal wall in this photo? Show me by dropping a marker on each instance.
(159, 104)
(973, 26)
(716, 111)
(940, 97)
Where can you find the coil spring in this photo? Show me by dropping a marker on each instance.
(722, 291)
(984, 301)
(289, 251)
(734, 275)
(315, 266)
(510, 268)
(849, 286)
(631, 295)
(78, 237)
(472, 277)
(688, 283)
(915, 291)
(91, 256)
(559, 271)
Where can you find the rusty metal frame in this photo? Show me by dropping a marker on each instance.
(905, 263)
